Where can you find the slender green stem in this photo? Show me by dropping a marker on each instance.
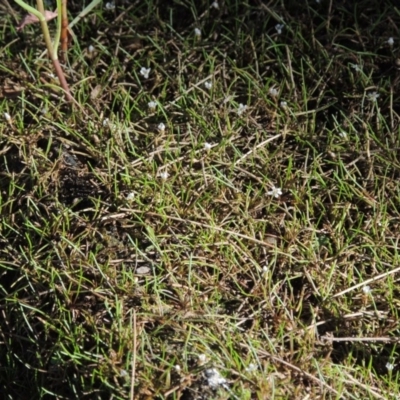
(59, 24)
(45, 29)
(84, 12)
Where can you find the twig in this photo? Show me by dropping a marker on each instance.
(361, 339)
(257, 147)
(297, 369)
(376, 278)
(64, 30)
(368, 388)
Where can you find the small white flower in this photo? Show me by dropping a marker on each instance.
(161, 127)
(390, 41)
(389, 366)
(283, 104)
(7, 116)
(152, 105)
(273, 92)
(275, 192)
(373, 96)
(177, 368)
(366, 289)
(197, 32)
(105, 121)
(241, 109)
(91, 49)
(145, 72)
(207, 146)
(163, 175)
(110, 5)
(356, 67)
(251, 368)
(214, 378)
(202, 358)
(130, 196)
(279, 28)
(343, 134)
(123, 373)
(208, 85)
(215, 5)
(51, 75)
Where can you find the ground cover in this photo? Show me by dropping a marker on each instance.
(218, 218)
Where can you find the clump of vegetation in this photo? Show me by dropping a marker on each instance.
(217, 219)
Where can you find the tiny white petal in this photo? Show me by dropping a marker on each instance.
(110, 5)
(273, 92)
(214, 378)
(356, 67)
(252, 367)
(163, 175)
(202, 358)
(279, 28)
(389, 366)
(197, 32)
(7, 116)
(152, 104)
(275, 192)
(105, 121)
(343, 134)
(208, 85)
(207, 146)
(91, 49)
(366, 289)
(161, 127)
(390, 41)
(373, 96)
(123, 373)
(215, 5)
(241, 109)
(177, 368)
(130, 196)
(145, 72)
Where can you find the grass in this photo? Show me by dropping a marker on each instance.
(137, 261)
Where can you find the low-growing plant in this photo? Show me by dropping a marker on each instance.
(52, 47)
